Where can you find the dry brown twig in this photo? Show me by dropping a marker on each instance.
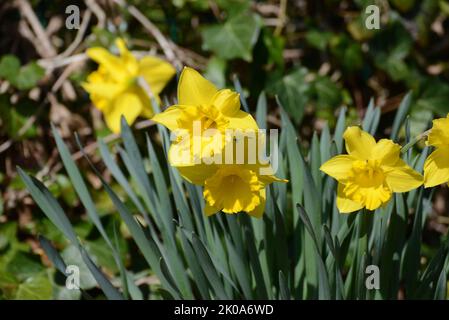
(47, 50)
(98, 12)
(79, 35)
(166, 45)
(41, 40)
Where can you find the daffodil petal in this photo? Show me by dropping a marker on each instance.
(156, 72)
(403, 178)
(130, 62)
(147, 110)
(338, 167)
(359, 143)
(260, 209)
(436, 167)
(198, 173)
(344, 204)
(210, 210)
(193, 89)
(439, 134)
(126, 104)
(105, 90)
(242, 121)
(267, 179)
(386, 151)
(227, 101)
(111, 63)
(169, 117)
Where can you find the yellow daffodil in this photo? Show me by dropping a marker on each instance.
(436, 167)
(114, 87)
(231, 188)
(199, 101)
(370, 172)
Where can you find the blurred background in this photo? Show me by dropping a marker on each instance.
(317, 56)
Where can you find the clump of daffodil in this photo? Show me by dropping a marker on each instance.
(231, 188)
(114, 88)
(436, 167)
(369, 174)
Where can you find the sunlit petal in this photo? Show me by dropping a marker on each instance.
(359, 143)
(436, 167)
(193, 89)
(338, 167)
(126, 104)
(402, 178)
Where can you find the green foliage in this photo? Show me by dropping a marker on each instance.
(23, 78)
(302, 248)
(320, 63)
(235, 38)
(15, 117)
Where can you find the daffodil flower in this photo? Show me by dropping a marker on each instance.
(114, 87)
(369, 174)
(200, 102)
(436, 167)
(231, 188)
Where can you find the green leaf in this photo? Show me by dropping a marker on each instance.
(318, 39)
(29, 76)
(24, 265)
(23, 78)
(49, 205)
(14, 117)
(9, 67)
(261, 111)
(216, 71)
(292, 91)
(284, 292)
(208, 267)
(37, 287)
(235, 38)
(275, 46)
(323, 278)
(401, 114)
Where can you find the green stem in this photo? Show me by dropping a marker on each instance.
(415, 140)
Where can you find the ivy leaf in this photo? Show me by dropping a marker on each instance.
(275, 46)
(37, 287)
(9, 67)
(15, 117)
(235, 38)
(434, 97)
(234, 6)
(23, 78)
(24, 265)
(293, 91)
(318, 39)
(29, 76)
